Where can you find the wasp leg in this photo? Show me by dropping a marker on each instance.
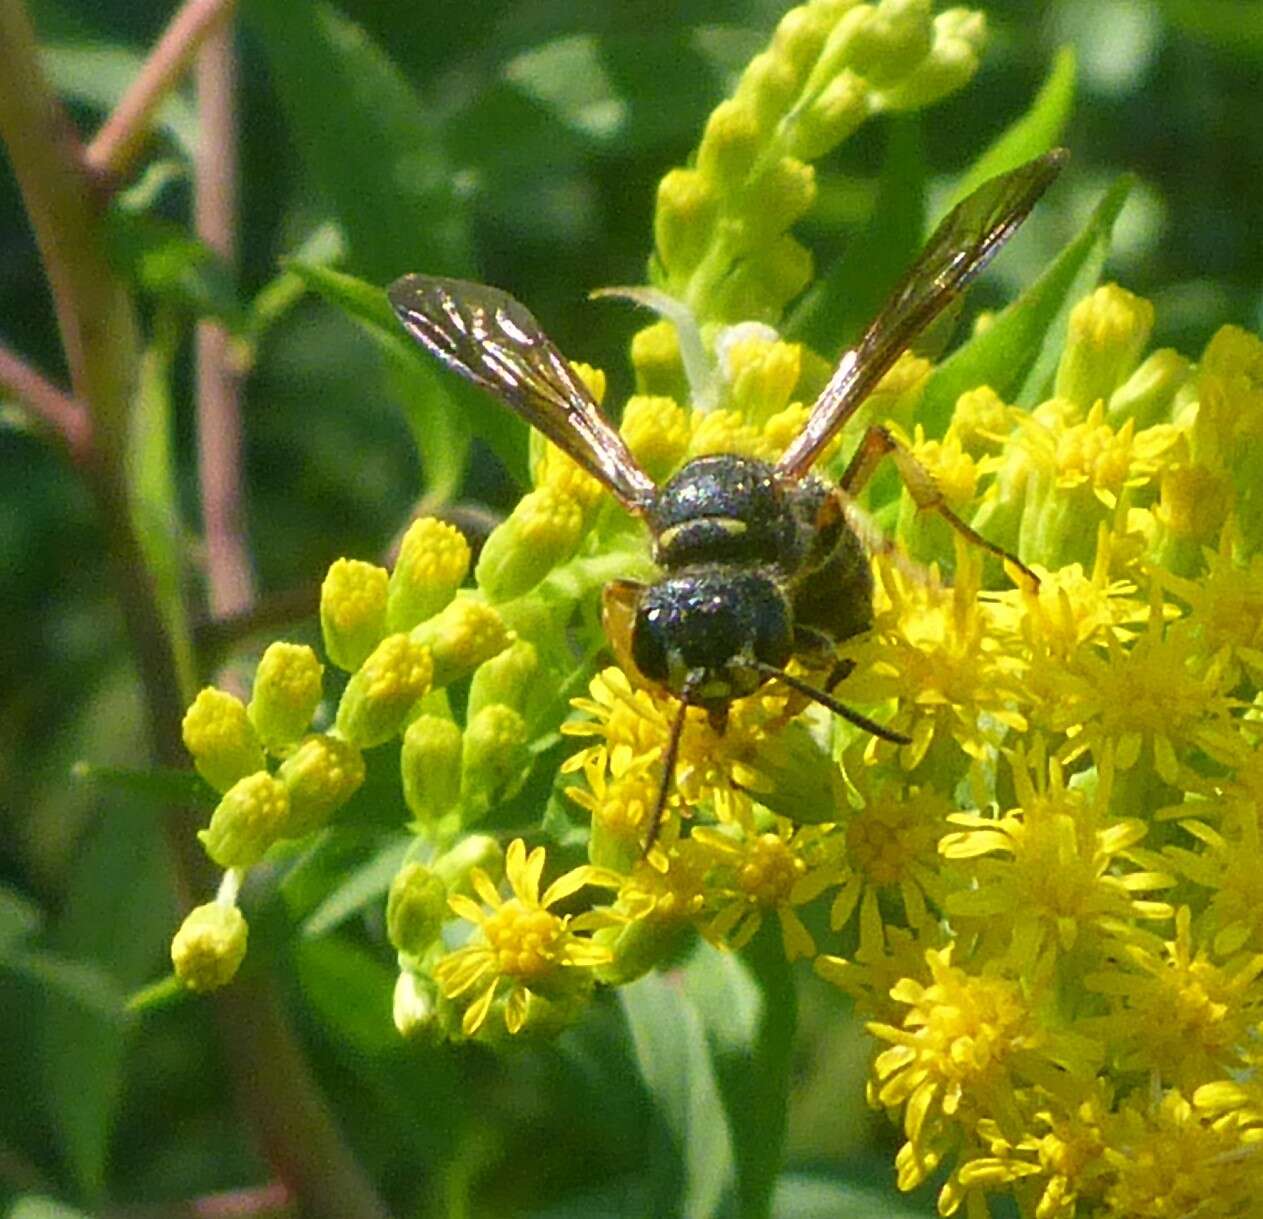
(879, 443)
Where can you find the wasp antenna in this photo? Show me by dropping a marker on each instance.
(832, 704)
(668, 769)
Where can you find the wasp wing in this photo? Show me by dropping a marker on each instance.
(494, 341)
(966, 240)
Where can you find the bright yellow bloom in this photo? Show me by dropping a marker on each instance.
(520, 948)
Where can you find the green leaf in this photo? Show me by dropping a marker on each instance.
(323, 247)
(350, 992)
(35, 1206)
(847, 296)
(1017, 354)
(1038, 130)
(669, 1034)
(152, 490)
(19, 918)
(158, 789)
(367, 142)
(99, 74)
(799, 1196)
(169, 264)
(79, 982)
(362, 886)
(441, 409)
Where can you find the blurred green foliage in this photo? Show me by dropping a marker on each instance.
(517, 142)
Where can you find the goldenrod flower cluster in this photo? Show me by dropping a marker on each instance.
(1047, 905)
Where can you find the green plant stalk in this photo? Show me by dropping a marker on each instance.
(101, 336)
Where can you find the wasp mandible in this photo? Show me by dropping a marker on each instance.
(759, 561)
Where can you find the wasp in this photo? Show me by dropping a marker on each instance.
(760, 562)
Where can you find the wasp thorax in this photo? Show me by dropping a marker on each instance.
(724, 509)
(703, 631)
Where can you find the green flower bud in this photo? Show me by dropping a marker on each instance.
(683, 219)
(759, 287)
(1147, 395)
(657, 432)
(541, 532)
(208, 949)
(508, 678)
(838, 54)
(1108, 330)
(636, 947)
(415, 1004)
(382, 691)
(467, 633)
(959, 35)
(800, 36)
(321, 775)
(729, 145)
(433, 561)
(655, 353)
(473, 851)
(893, 42)
(776, 199)
(768, 86)
(286, 693)
(416, 909)
(798, 777)
(248, 820)
(218, 733)
(495, 762)
(838, 110)
(429, 763)
(353, 611)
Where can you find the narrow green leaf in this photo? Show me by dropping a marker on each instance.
(158, 789)
(322, 248)
(35, 1206)
(799, 1196)
(170, 265)
(362, 886)
(366, 140)
(79, 982)
(152, 488)
(673, 1051)
(1034, 133)
(350, 992)
(20, 918)
(441, 409)
(1017, 354)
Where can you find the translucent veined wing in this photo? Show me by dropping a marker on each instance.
(966, 240)
(494, 341)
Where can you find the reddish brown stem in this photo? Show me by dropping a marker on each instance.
(118, 143)
(52, 406)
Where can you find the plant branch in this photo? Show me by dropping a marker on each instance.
(230, 582)
(56, 409)
(118, 143)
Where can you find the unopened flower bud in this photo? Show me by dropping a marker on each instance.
(959, 35)
(838, 110)
(495, 762)
(248, 820)
(467, 633)
(1108, 331)
(383, 690)
(479, 851)
(286, 693)
(759, 287)
(353, 611)
(684, 219)
(768, 86)
(1148, 394)
(429, 764)
(218, 733)
(321, 775)
(415, 1004)
(507, 678)
(433, 560)
(208, 949)
(416, 909)
(729, 145)
(542, 532)
(655, 353)
(657, 432)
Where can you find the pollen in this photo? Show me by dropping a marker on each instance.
(524, 940)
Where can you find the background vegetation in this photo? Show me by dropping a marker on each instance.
(519, 143)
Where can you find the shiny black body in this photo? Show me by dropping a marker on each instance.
(756, 568)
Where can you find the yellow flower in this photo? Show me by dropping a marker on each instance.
(755, 875)
(1053, 868)
(887, 846)
(965, 1044)
(519, 945)
(1179, 1014)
